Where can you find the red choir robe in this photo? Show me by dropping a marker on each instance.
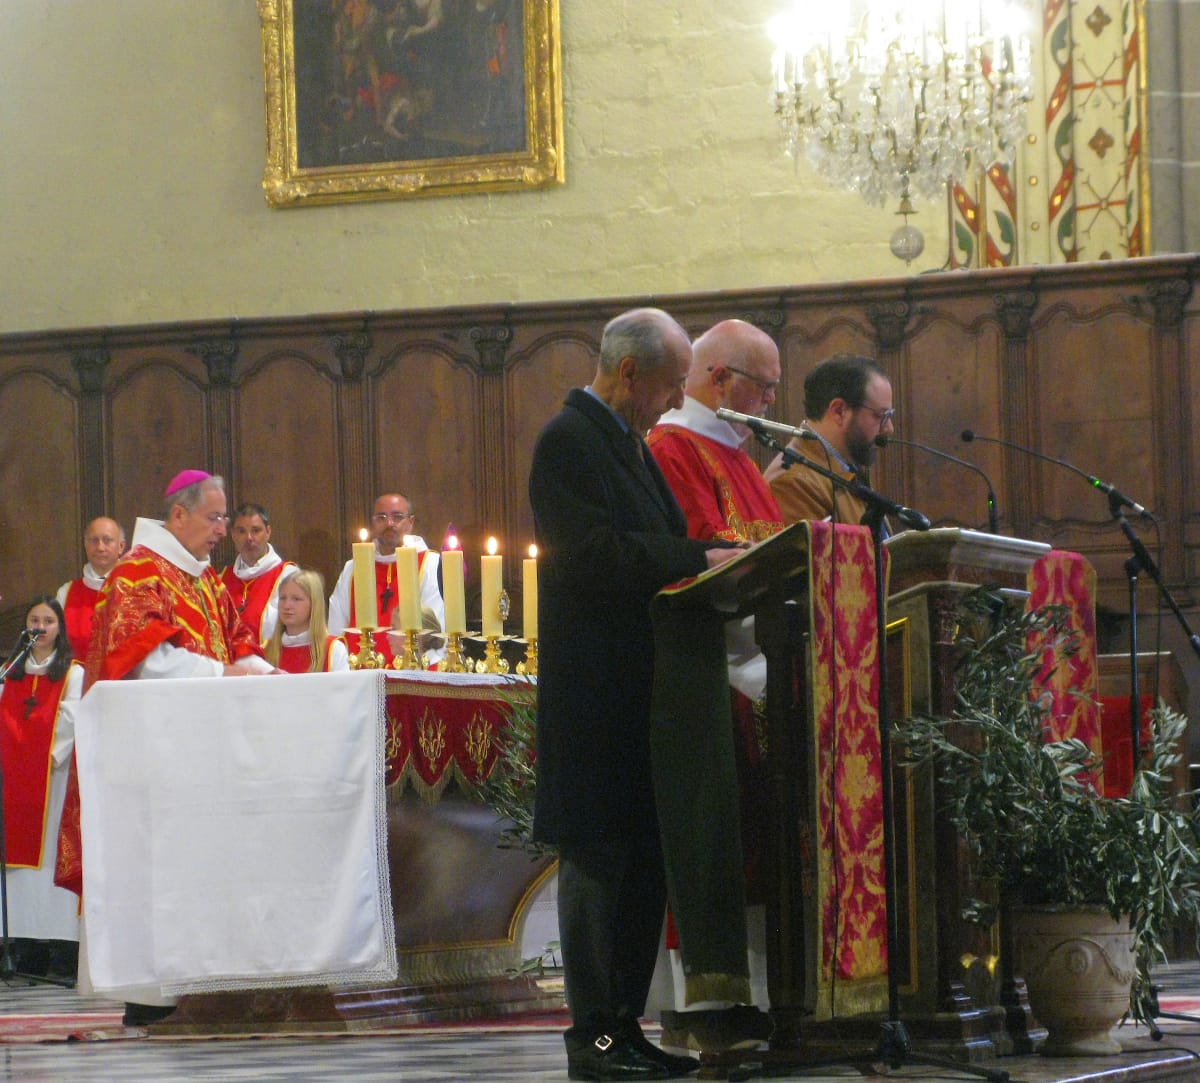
(78, 609)
(250, 596)
(29, 710)
(296, 659)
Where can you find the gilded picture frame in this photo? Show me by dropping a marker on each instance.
(387, 99)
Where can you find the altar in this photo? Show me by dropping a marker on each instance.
(457, 900)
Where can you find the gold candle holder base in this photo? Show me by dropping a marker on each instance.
(409, 656)
(528, 668)
(366, 657)
(491, 661)
(454, 662)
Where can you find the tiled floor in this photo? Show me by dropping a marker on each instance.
(512, 1058)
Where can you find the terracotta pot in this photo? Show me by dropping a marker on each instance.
(1078, 965)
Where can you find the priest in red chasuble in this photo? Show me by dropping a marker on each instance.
(103, 543)
(163, 613)
(722, 492)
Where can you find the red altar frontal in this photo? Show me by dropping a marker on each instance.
(459, 900)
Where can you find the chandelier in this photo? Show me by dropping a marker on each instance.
(892, 98)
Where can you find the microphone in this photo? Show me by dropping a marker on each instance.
(882, 440)
(759, 425)
(1116, 498)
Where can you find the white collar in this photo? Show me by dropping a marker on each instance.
(270, 559)
(694, 416)
(301, 639)
(92, 578)
(36, 668)
(158, 539)
(411, 541)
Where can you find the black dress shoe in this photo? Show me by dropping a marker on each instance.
(675, 1065)
(613, 1056)
(143, 1015)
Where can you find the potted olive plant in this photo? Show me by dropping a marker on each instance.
(1029, 810)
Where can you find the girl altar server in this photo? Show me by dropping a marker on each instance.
(301, 642)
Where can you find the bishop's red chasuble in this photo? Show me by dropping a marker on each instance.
(147, 601)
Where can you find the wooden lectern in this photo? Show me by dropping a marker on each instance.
(950, 998)
(955, 994)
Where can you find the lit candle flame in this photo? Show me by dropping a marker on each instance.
(452, 541)
(363, 534)
(492, 547)
(533, 552)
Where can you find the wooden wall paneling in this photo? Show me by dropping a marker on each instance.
(40, 489)
(545, 362)
(1167, 441)
(158, 425)
(1018, 407)
(952, 380)
(89, 365)
(285, 426)
(424, 402)
(1190, 390)
(351, 348)
(220, 356)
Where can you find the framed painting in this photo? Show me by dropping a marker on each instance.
(382, 99)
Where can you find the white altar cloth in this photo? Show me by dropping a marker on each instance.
(234, 832)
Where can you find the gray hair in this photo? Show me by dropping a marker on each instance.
(637, 333)
(191, 495)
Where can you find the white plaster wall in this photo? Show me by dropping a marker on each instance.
(131, 157)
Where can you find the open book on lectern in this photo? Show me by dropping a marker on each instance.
(779, 563)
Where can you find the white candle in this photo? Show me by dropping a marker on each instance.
(408, 591)
(529, 587)
(492, 583)
(454, 589)
(365, 606)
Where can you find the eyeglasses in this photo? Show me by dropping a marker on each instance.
(216, 518)
(396, 517)
(882, 416)
(765, 385)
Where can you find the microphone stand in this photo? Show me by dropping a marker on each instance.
(1141, 560)
(894, 1048)
(8, 964)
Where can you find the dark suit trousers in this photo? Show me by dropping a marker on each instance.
(611, 903)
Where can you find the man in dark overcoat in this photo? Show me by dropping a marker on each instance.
(612, 535)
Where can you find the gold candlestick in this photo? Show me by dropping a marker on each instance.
(453, 662)
(491, 661)
(409, 656)
(366, 657)
(528, 668)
